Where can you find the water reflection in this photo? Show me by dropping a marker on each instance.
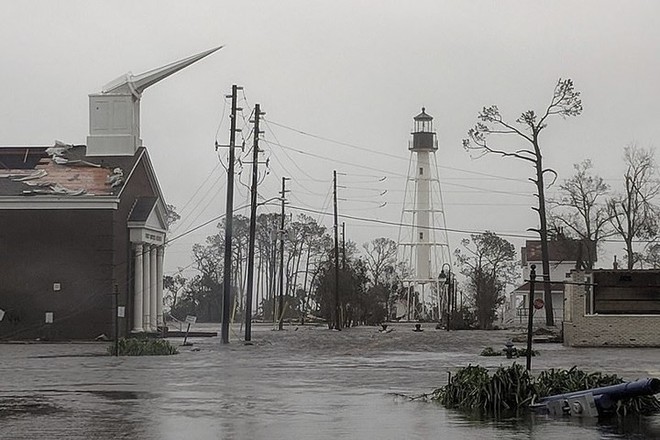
(547, 427)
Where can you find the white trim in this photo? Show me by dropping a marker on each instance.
(139, 225)
(34, 202)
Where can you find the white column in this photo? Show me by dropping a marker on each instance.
(146, 288)
(153, 288)
(137, 289)
(159, 289)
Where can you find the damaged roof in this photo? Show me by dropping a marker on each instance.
(61, 170)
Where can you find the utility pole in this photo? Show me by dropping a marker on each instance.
(253, 223)
(273, 277)
(229, 214)
(280, 326)
(337, 308)
(343, 245)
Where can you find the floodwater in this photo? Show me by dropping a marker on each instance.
(300, 383)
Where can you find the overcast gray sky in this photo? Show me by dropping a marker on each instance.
(351, 71)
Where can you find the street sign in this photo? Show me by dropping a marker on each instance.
(190, 319)
(121, 312)
(538, 303)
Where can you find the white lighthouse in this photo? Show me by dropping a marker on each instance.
(423, 241)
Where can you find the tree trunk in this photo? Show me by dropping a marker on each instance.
(306, 294)
(543, 232)
(630, 254)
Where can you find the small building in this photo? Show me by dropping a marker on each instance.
(613, 308)
(563, 258)
(84, 226)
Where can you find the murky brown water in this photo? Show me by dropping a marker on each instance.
(295, 384)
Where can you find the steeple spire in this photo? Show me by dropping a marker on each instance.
(114, 113)
(129, 83)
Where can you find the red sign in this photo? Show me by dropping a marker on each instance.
(538, 303)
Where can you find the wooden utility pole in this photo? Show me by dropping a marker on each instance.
(280, 325)
(273, 278)
(343, 245)
(229, 214)
(337, 307)
(253, 224)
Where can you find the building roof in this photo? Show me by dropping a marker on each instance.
(62, 170)
(558, 250)
(423, 116)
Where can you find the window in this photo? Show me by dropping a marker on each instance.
(421, 236)
(421, 171)
(620, 292)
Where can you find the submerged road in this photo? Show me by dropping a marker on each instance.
(303, 382)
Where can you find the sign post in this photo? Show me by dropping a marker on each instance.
(530, 312)
(115, 294)
(190, 319)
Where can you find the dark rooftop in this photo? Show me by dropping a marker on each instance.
(423, 116)
(61, 170)
(558, 250)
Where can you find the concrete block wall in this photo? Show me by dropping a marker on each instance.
(605, 330)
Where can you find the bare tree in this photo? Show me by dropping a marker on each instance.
(380, 254)
(633, 213)
(380, 261)
(527, 128)
(581, 211)
(652, 256)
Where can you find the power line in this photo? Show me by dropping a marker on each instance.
(353, 164)
(391, 223)
(382, 153)
(286, 154)
(214, 189)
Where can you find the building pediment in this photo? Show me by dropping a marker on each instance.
(146, 221)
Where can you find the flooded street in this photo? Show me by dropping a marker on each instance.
(305, 382)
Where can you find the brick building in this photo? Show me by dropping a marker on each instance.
(613, 308)
(72, 225)
(84, 226)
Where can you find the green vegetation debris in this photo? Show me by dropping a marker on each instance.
(517, 352)
(488, 351)
(513, 389)
(142, 347)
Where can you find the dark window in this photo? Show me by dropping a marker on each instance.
(626, 294)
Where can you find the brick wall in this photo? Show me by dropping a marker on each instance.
(605, 330)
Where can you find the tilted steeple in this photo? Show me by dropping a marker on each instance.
(114, 114)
